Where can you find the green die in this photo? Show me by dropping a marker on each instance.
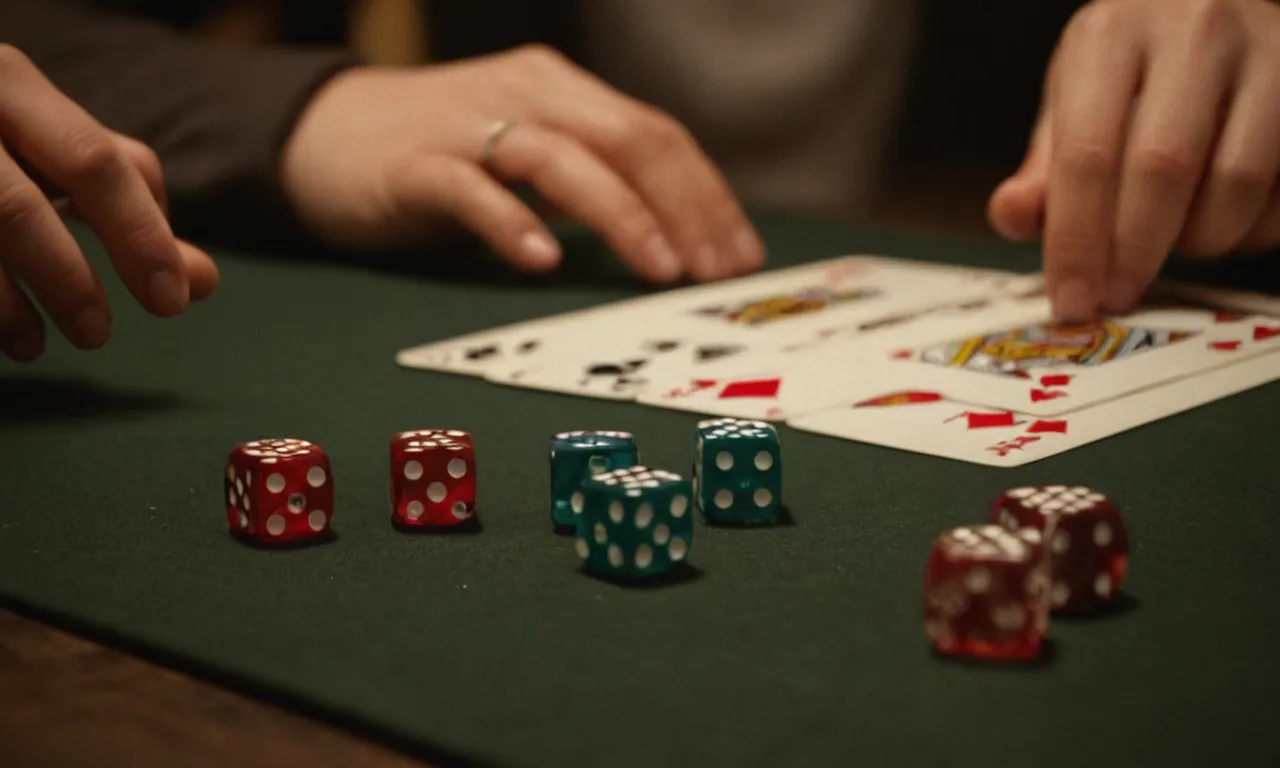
(574, 456)
(633, 522)
(737, 470)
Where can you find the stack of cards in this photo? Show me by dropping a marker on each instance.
(950, 361)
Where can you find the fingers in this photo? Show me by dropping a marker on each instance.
(1235, 196)
(1016, 208)
(1092, 98)
(202, 272)
(38, 250)
(21, 330)
(1173, 132)
(429, 186)
(577, 182)
(85, 161)
(660, 160)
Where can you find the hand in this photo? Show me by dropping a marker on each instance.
(1160, 129)
(114, 184)
(385, 156)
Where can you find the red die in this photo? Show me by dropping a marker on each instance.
(1088, 545)
(433, 478)
(986, 593)
(279, 491)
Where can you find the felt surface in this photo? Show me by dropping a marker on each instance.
(798, 645)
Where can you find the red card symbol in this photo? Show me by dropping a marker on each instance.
(751, 388)
(1225, 346)
(1262, 332)
(1227, 317)
(1020, 374)
(773, 413)
(1055, 380)
(989, 420)
(1042, 426)
(1008, 446)
(697, 385)
(901, 354)
(908, 397)
(1040, 395)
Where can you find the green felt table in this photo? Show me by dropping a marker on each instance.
(794, 645)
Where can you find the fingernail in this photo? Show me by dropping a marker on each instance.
(26, 346)
(169, 293)
(1073, 302)
(663, 258)
(90, 328)
(749, 247)
(541, 248)
(1122, 294)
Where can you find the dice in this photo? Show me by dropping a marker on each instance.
(737, 470)
(634, 522)
(433, 479)
(279, 491)
(986, 593)
(575, 456)
(1087, 541)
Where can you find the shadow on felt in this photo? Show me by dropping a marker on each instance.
(781, 519)
(40, 399)
(1047, 658)
(681, 574)
(1123, 603)
(471, 527)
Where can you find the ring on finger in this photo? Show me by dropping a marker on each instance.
(496, 130)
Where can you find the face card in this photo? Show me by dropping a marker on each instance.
(925, 421)
(1046, 368)
(782, 387)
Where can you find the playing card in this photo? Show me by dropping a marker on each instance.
(679, 333)
(1045, 368)
(926, 421)
(618, 370)
(781, 386)
(1219, 298)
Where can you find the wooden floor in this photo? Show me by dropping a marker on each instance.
(65, 701)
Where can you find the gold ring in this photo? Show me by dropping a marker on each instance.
(497, 129)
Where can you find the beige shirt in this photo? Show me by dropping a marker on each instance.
(796, 100)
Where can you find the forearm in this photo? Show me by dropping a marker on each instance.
(217, 116)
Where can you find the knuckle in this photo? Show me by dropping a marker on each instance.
(1164, 164)
(1089, 159)
(1099, 20)
(664, 133)
(1212, 19)
(540, 55)
(92, 155)
(1245, 181)
(19, 204)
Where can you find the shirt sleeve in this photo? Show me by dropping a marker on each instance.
(217, 116)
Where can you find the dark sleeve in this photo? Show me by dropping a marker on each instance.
(217, 116)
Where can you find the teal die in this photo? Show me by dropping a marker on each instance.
(737, 470)
(634, 522)
(575, 455)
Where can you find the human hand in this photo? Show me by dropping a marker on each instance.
(386, 156)
(114, 184)
(1160, 129)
